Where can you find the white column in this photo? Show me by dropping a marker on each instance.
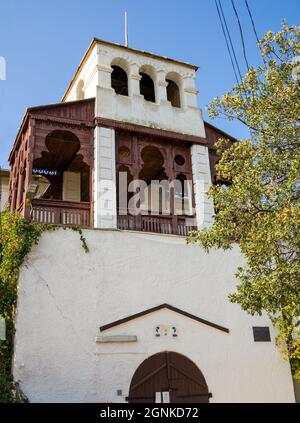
(134, 86)
(202, 182)
(189, 91)
(104, 76)
(105, 207)
(161, 86)
(103, 68)
(133, 80)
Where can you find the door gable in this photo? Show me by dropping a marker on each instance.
(160, 307)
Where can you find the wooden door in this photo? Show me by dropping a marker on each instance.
(168, 372)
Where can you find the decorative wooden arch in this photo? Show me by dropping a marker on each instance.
(169, 150)
(39, 122)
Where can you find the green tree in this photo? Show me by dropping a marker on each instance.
(258, 208)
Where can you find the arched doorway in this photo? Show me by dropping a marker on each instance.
(168, 375)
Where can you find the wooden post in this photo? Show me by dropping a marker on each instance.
(29, 165)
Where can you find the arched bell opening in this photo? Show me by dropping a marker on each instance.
(147, 88)
(119, 80)
(174, 89)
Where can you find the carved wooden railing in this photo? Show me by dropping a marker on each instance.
(61, 212)
(20, 208)
(158, 224)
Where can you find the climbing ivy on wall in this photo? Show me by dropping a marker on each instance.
(17, 236)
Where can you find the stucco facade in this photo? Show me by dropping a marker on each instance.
(65, 295)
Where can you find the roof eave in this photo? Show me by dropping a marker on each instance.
(24, 121)
(221, 131)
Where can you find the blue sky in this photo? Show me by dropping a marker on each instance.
(44, 41)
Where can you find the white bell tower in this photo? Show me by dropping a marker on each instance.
(147, 91)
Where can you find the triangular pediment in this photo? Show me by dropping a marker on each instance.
(160, 307)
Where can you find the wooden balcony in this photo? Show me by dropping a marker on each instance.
(69, 213)
(59, 212)
(158, 224)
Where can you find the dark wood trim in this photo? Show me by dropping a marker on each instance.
(209, 395)
(152, 132)
(18, 137)
(35, 112)
(60, 104)
(60, 203)
(160, 307)
(148, 376)
(29, 165)
(220, 131)
(187, 376)
(66, 122)
(60, 212)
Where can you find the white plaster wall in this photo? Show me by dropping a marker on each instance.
(134, 109)
(64, 295)
(88, 75)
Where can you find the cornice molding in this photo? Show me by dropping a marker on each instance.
(103, 68)
(64, 123)
(152, 132)
(191, 90)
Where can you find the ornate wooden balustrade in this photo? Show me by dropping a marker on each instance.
(61, 212)
(158, 224)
